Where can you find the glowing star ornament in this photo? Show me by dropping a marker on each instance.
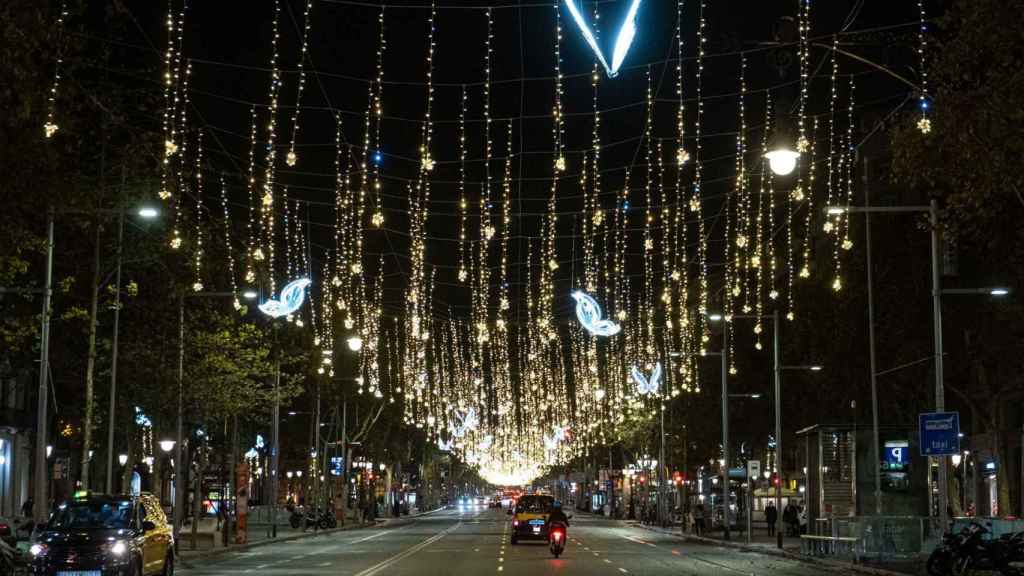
(292, 297)
(622, 41)
(682, 157)
(589, 314)
(645, 385)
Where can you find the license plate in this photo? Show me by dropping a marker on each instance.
(536, 522)
(78, 573)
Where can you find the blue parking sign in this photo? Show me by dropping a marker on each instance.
(940, 433)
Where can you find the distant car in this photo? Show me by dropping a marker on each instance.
(94, 535)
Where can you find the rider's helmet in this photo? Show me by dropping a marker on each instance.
(557, 505)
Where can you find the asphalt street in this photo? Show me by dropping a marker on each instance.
(477, 542)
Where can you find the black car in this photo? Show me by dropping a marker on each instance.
(101, 535)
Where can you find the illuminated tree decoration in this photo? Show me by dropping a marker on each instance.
(445, 445)
(589, 313)
(622, 42)
(646, 385)
(292, 297)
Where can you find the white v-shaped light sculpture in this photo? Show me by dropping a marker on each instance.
(622, 42)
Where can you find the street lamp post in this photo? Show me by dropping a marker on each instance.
(41, 508)
(777, 369)
(940, 396)
(148, 213)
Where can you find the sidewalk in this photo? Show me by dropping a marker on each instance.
(764, 544)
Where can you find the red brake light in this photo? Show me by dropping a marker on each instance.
(557, 535)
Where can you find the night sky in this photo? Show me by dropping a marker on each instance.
(229, 46)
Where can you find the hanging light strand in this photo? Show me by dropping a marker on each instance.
(924, 123)
(227, 243)
(291, 158)
(197, 243)
(254, 253)
(696, 201)
(50, 127)
(378, 113)
(463, 203)
(271, 171)
(182, 170)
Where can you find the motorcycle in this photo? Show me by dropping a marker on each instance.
(12, 561)
(970, 550)
(556, 537)
(324, 521)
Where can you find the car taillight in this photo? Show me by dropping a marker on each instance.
(515, 523)
(5, 529)
(557, 535)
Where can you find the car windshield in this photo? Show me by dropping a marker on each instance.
(92, 513)
(536, 504)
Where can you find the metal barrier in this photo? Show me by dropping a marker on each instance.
(885, 538)
(831, 546)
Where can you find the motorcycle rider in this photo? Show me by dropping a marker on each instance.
(557, 515)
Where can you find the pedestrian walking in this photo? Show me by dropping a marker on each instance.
(698, 520)
(771, 515)
(791, 518)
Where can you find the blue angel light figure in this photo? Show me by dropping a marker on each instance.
(627, 32)
(646, 385)
(292, 297)
(589, 313)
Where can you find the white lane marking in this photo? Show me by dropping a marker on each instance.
(324, 564)
(637, 540)
(407, 552)
(262, 566)
(623, 570)
(370, 537)
(501, 568)
(607, 561)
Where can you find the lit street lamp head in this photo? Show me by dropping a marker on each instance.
(167, 445)
(355, 343)
(782, 161)
(999, 291)
(148, 212)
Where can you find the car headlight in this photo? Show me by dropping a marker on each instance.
(37, 550)
(118, 548)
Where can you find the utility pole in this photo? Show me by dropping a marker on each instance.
(940, 393)
(776, 352)
(113, 352)
(876, 465)
(179, 470)
(725, 431)
(42, 478)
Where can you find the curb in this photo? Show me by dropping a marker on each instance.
(847, 566)
(188, 555)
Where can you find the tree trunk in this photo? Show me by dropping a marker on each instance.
(90, 367)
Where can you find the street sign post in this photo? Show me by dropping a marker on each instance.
(940, 433)
(753, 469)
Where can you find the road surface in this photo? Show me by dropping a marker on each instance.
(477, 542)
